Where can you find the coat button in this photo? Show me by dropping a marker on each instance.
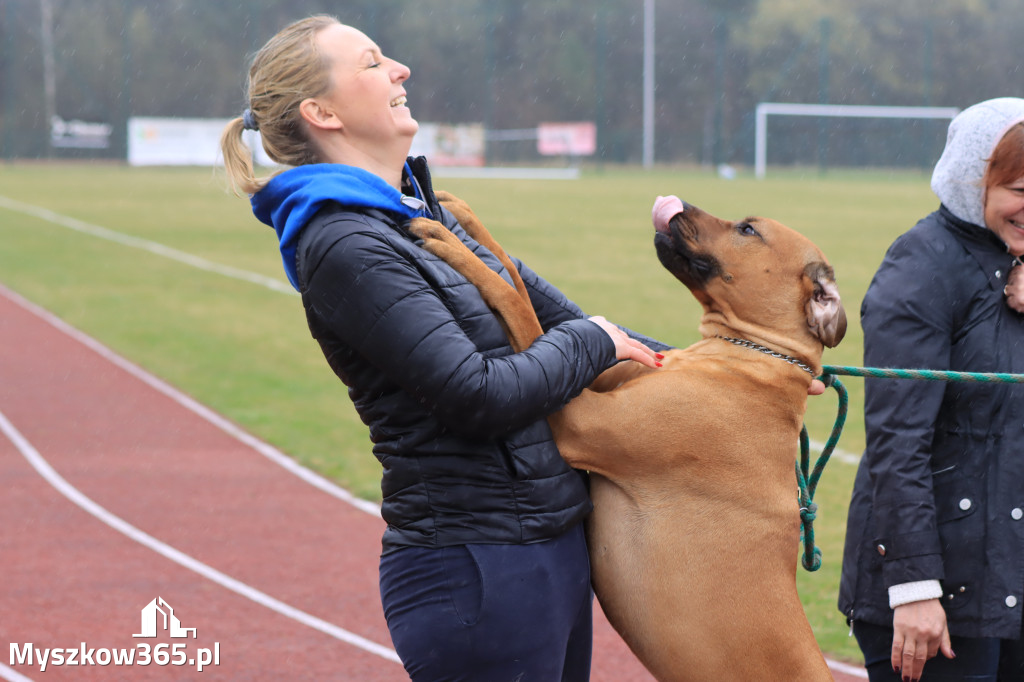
(1011, 601)
(1017, 514)
(881, 550)
(965, 504)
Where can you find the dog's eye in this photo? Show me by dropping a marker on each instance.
(747, 229)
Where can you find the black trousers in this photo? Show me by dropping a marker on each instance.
(491, 613)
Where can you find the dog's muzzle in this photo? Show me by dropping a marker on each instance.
(690, 267)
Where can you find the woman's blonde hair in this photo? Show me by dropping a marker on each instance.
(286, 71)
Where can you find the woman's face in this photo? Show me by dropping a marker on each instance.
(366, 88)
(1004, 214)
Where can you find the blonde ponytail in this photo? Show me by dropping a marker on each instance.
(238, 160)
(285, 71)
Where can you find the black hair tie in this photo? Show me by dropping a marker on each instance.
(249, 121)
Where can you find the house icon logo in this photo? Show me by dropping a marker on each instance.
(151, 623)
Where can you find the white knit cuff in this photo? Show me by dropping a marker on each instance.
(917, 591)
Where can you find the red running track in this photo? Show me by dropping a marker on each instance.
(117, 490)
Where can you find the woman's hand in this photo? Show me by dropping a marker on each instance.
(817, 387)
(627, 348)
(919, 633)
(1014, 289)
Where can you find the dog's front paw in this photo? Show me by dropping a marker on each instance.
(425, 228)
(449, 200)
(456, 206)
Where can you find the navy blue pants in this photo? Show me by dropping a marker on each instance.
(491, 613)
(977, 659)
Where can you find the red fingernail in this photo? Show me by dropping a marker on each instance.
(659, 356)
(657, 364)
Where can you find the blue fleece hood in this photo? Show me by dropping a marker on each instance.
(291, 198)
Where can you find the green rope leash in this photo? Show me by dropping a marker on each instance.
(808, 480)
(925, 374)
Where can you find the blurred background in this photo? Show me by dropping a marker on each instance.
(74, 73)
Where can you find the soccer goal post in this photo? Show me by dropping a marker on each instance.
(766, 109)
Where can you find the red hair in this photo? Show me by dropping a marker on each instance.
(1007, 161)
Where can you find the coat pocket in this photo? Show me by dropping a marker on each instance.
(959, 511)
(956, 497)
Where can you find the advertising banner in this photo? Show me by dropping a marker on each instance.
(450, 145)
(569, 139)
(159, 141)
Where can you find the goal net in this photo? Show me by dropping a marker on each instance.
(870, 136)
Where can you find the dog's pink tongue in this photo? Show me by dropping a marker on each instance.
(664, 210)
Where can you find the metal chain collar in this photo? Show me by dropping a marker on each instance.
(768, 351)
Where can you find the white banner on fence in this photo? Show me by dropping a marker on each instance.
(164, 141)
(572, 139)
(450, 145)
(79, 134)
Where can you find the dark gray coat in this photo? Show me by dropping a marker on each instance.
(457, 420)
(941, 483)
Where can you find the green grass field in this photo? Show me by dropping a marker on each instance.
(244, 349)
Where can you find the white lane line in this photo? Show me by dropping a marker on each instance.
(209, 266)
(841, 455)
(11, 676)
(146, 245)
(44, 469)
(268, 451)
(850, 670)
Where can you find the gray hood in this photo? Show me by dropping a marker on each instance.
(958, 179)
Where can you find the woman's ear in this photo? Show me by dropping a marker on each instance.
(315, 114)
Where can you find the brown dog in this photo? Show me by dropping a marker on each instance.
(695, 530)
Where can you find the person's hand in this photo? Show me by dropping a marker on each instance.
(1014, 289)
(919, 633)
(627, 348)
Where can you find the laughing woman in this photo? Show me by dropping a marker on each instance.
(934, 557)
(484, 572)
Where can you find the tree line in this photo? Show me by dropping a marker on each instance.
(515, 63)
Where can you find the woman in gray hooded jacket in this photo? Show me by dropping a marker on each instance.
(934, 558)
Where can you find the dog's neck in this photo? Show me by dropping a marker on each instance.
(768, 351)
(803, 353)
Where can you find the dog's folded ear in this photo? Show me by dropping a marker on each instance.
(826, 317)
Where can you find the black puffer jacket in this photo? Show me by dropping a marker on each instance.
(941, 483)
(456, 418)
